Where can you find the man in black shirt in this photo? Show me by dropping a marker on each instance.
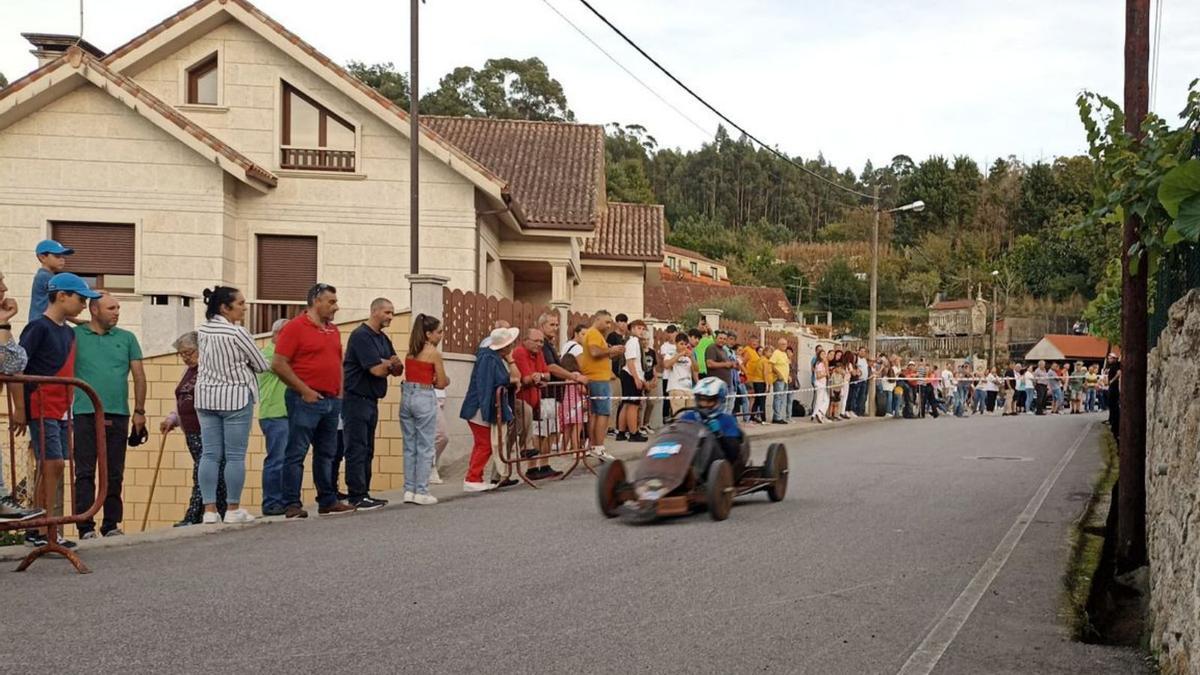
(617, 338)
(370, 359)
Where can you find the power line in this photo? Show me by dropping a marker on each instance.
(620, 65)
(716, 112)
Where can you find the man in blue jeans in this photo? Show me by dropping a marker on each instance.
(308, 358)
(273, 421)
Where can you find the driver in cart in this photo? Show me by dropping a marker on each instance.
(710, 394)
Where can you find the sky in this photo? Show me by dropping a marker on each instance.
(854, 80)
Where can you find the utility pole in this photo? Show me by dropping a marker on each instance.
(1131, 493)
(414, 147)
(872, 338)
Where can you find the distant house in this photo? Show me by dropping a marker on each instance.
(681, 264)
(958, 317)
(670, 299)
(1087, 348)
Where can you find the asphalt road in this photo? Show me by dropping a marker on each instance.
(870, 557)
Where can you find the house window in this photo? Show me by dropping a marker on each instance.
(105, 253)
(715, 274)
(202, 82)
(287, 267)
(695, 269)
(672, 263)
(314, 138)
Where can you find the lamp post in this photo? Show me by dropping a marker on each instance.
(918, 205)
(995, 316)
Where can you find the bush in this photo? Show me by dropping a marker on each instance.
(839, 291)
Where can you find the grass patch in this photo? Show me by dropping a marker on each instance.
(1087, 543)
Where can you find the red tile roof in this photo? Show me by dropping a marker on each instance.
(77, 59)
(628, 232)
(1082, 346)
(670, 299)
(953, 304)
(555, 170)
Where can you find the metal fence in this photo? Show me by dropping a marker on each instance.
(1178, 273)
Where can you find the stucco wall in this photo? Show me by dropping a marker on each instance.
(87, 157)
(1173, 489)
(617, 289)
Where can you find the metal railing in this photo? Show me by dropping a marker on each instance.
(260, 316)
(52, 522)
(317, 159)
(560, 419)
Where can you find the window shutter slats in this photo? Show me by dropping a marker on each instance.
(287, 267)
(100, 248)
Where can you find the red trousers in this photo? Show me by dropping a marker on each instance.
(481, 451)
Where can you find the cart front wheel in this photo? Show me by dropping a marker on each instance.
(608, 486)
(720, 489)
(777, 470)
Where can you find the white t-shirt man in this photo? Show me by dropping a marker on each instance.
(666, 351)
(633, 350)
(573, 348)
(680, 375)
(947, 380)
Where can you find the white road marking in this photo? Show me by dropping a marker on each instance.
(930, 651)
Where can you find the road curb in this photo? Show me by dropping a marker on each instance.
(450, 491)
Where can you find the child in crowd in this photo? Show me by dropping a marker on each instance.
(53, 258)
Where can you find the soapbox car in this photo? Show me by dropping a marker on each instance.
(684, 470)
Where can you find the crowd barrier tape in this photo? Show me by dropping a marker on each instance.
(52, 523)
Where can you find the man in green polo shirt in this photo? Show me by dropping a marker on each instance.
(273, 420)
(104, 358)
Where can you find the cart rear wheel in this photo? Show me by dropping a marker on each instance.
(609, 483)
(719, 489)
(777, 470)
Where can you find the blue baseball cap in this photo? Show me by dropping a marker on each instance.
(65, 281)
(51, 246)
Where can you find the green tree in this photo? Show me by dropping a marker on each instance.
(383, 78)
(626, 152)
(839, 291)
(3, 81)
(922, 286)
(520, 89)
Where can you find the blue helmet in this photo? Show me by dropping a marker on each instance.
(712, 388)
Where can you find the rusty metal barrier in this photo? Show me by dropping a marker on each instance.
(561, 419)
(49, 521)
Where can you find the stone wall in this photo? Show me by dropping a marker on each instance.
(1173, 489)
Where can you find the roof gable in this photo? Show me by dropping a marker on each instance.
(628, 232)
(670, 299)
(966, 303)
(33, 91)
(205, 12)
(1080, 346)
(555, 170)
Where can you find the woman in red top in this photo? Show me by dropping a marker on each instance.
(423, 372)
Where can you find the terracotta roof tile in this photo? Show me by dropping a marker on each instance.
(677, 250)
(670, 299)
(953, 304)
(1081, 346)
(554, 170)
(628, 232)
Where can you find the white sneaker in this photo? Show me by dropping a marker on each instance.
(211, 518)
(238, 516)
(851, 414)
(602, 454)
(408, 497)
(435, 478)
(469, 486)
(421, 500)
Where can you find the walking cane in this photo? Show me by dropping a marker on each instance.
(162, 445)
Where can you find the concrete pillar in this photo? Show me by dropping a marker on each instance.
(828, 318)
(564, 315)
(425, 294)
(560, 288)
(712, 317)
(762, 331)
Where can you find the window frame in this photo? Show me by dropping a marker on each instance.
(325, 110)
(716, 273)
(695, 268)
(214, 58)
(255, 236)
(96, 278)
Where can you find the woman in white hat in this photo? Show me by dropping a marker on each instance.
(491, 372)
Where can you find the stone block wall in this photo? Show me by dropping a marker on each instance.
(1173, 489)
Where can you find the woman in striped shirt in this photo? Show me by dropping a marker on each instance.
(226, 390)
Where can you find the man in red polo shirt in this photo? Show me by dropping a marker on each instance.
(308, 358)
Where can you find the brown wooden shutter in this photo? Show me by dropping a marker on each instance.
(287, 266)
(100, 248)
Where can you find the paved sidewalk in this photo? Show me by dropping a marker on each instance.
(449, 491)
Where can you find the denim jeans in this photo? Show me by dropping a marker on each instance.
(897, 400)
(779, 400)
(883, 400)
(1089, 404)
(275, 434)
(225, 435)
(314, 424)
(360, 416)
(418, 422)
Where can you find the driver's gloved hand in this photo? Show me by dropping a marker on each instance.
(714, 425)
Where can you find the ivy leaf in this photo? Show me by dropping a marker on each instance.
(1178, 185)
(1188, 220)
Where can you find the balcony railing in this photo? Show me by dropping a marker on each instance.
(317, 159)
(260, 316)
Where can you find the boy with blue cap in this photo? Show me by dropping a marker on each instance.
(49, 344)
(53, 257)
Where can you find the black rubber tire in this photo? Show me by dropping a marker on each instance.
(609, 482)
(776, 468)
(719, 489)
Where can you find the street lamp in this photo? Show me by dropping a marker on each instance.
(995, 316)
(918, 205)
